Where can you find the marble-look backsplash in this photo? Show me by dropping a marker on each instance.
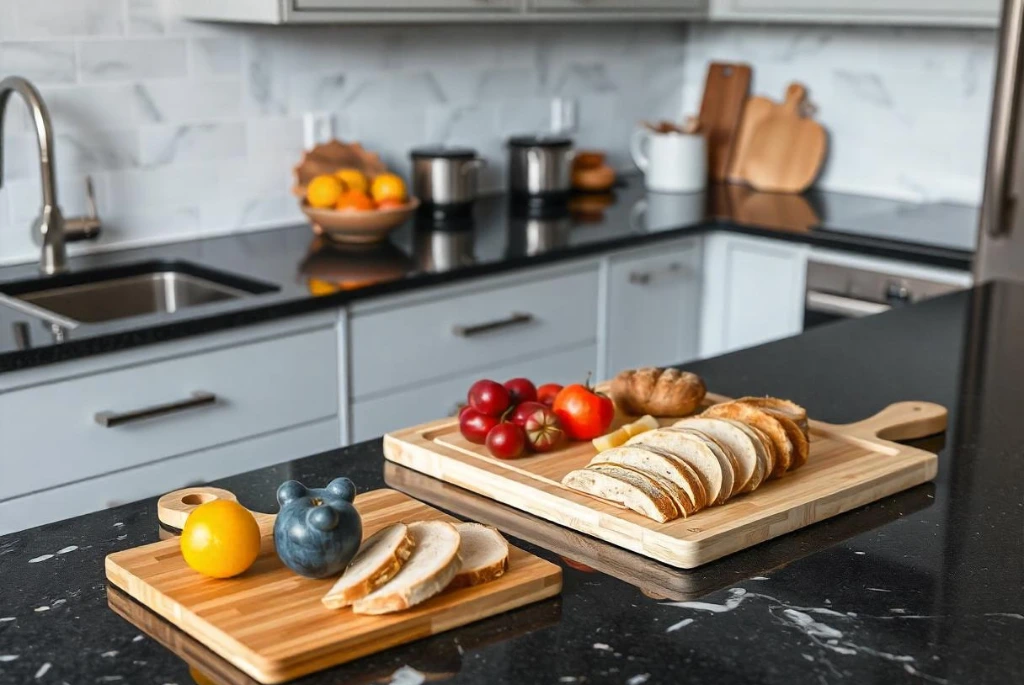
(192, 129)
(907, 110)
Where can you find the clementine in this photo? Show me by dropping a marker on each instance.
(220, 539)
(354, 201)
(388, 187)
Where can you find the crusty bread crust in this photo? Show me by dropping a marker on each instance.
(692, 450)
(388, 599)
(791, 410)
(467, 577)
(342, 595)
(659, 392)
(739, 444)
(770, 425)
(648, 459)
(641, 495)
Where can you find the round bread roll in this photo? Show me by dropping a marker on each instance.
(659, 392)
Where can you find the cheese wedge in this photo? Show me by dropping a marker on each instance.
(484, 554)
(379, 559)
(429, 569)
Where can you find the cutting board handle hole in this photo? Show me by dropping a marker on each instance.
(194, 499)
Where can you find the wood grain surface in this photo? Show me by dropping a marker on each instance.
(725, 92)
(755, 110)
(849, 466)
(786, 149)
(270, 623)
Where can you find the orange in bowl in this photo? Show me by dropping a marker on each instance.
(388, 187)
(354, 201)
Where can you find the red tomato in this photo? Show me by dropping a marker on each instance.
(488, 397)
(547, 392)
(506, 441)
(521, 390)
(475, 425)
(584, 414)
(523, 411)
(544, 432)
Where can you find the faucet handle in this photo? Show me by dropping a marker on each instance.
(84, 227)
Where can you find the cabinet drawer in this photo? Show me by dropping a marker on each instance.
(406, 5)
(94, 494)
(373, 418)
(51, 433)
(410, 344)
(623, 5)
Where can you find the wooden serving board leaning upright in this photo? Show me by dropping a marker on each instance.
(849, 466)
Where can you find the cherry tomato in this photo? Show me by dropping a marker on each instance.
(521, 390)
(547, 392)
(488, 397)
(506, 441)
(544, 431)
(523, 411)
(584, 414)
(475, 425)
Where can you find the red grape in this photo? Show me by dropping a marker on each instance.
(506, 441)
(488, 397)
(475, 426)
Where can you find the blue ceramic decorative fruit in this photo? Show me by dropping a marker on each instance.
(317, 531)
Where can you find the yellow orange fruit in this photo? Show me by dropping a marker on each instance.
(354, 200)
(353, 179)
(324, 191)
(220, 539)
(388, 187)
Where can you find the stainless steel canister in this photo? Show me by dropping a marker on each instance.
(445, 176)
(540, 165)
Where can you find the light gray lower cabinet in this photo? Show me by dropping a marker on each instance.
(753, 292)
(919, 12)
(373, 417)
(406, 5)
(174, 409)
(619, 5)
(653, 313)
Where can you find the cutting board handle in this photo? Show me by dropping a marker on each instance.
(173, 508)
(795, 95)
(903, 421)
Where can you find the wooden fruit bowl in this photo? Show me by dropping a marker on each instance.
(370, 226)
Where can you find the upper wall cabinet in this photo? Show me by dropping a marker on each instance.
(382, 11)
(919, 12)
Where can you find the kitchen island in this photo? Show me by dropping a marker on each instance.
(923, 587)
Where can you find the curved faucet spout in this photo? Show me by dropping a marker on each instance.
(44, 131)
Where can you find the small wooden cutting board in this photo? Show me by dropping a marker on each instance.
(725, 92)
(755, 111)
(785, 149)
(269, 622)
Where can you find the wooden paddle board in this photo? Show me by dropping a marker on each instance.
(269, 622)
(849, 466)
(725, 92)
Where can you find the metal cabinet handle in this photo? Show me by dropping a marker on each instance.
(645, 277)
(998, 204)
(827, 303)
(514, 319)
(110, 419)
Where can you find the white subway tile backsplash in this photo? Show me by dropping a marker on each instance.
(48, 18)
(41, 62)
(191, 143)
(275, 138)
(8, 27)
(186, 100)
(86, 149)
(216, 56)
(119, 60)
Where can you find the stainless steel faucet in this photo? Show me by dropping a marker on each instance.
(50, 230)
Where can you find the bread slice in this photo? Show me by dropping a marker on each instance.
(626, 488)
(431, 566)
(657, 461)
(738, 442)
(682, 501)
(763, 459)
(725, 458)
(771, 425)
(379, 559)
(484, 554)
(694, 452)
(773, 405)
(766, 445)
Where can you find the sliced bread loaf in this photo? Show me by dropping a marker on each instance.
(626, 488)
(657, 461)
(484, 555)
(724, 455)
(431, 566)
(762, 420)
(739, 443)
(773, 405)
(694, 452)
(379, 559)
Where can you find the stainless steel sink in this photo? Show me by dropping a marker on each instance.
(147, 289)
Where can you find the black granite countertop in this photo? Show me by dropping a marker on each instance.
(923, 587)
(297, 272)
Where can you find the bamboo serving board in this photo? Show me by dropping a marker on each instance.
(269, 622)
(849, 466)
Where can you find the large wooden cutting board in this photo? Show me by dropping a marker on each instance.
(269, 622)
(849, 466)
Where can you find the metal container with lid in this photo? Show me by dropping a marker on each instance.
(540, 165)
(445, 176)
